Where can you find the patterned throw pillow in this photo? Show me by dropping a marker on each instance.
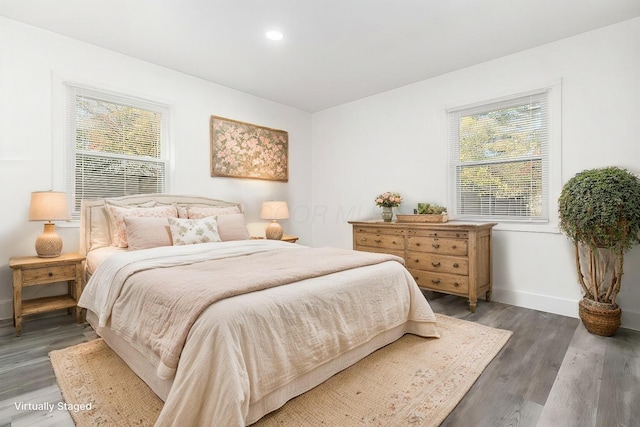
(193, 231)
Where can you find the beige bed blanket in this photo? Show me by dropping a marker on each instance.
(245, 355)
(158, 307)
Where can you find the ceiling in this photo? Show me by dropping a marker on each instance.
(333, 51)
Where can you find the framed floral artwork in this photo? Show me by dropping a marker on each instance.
(245, 150)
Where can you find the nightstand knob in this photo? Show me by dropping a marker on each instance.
(50, 274)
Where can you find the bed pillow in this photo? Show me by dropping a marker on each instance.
(193, 231)
(232, 227)
(197, 212)
(117, 215)
(144, 233)
(98, 219)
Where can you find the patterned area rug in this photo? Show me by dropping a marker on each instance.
(413, 381)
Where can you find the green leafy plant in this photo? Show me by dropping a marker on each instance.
(599, 211)
(430, 209)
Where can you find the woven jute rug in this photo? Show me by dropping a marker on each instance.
(413, 381)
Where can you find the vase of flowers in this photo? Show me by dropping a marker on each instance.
(388, 201)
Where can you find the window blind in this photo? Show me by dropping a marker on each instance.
(116, 146)
(499, 159)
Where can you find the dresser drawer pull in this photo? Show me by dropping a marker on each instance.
(435, 245)
(50, 274)
(435, 264)
(364, 239)
(436, 281)
(456, 284)
(455, 265)
(417, 244)
(454, 246)
(377, 240)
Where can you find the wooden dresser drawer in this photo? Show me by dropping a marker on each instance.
(437, 245)
(380, 251)
(439, 263)
(442, 234)
(448, 283)
(34, 276)
(394, 242)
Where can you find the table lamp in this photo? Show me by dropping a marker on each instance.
(48, 206)
(274, 211)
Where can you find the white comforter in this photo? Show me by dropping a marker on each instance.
(246, 355)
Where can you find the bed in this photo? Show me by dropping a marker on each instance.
(225, 328)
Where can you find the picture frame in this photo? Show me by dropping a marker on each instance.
(247, 150)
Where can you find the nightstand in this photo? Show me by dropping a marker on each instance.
(32, 270)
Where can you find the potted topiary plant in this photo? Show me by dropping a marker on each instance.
(599, 211)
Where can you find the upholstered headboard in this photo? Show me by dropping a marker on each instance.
(94, 219)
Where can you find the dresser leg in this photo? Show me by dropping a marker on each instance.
(472, 306)
(488, 296)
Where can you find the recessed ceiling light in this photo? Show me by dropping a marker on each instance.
(274, 35)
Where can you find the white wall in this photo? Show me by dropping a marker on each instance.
(396, 141)
(31, 59)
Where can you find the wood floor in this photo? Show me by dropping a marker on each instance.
(551, 373)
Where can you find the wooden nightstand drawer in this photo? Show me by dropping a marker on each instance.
(437, 245)
(36, 276)
(438, 263)
(448, 283)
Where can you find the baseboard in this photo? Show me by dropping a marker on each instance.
(6, 309)
(564, 307)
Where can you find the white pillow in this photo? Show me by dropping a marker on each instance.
(117, 215)
(193, 231)
(232, 227)
(143, 233)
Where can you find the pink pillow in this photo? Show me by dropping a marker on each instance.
(196, 212)
(143, 233)
(118, 227)
(232, 227)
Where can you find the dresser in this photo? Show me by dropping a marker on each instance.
(452, 257)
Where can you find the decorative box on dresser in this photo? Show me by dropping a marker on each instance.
(452, 257)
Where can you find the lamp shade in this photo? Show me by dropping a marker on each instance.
(48, 206)
(274, 210)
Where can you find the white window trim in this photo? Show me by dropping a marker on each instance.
(554, 89)
(59, 147)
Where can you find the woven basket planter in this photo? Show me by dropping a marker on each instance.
(599, 318)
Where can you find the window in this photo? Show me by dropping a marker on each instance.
(500, 159)
(116, 145)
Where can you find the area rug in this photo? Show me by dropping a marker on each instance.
(413, 381)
